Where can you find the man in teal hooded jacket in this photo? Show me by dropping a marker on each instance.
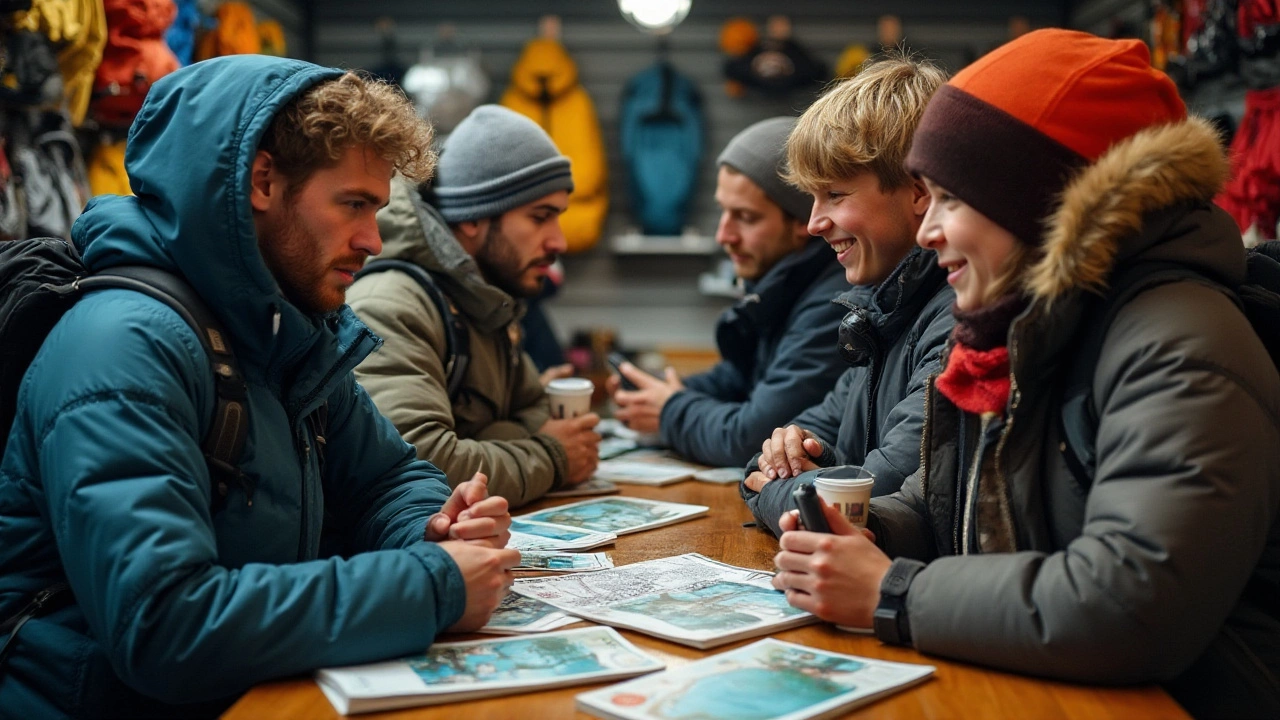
(257, 180)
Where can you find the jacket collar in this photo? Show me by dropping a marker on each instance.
(762, 314)
(892, 305)
(414, 230)
(769, 300)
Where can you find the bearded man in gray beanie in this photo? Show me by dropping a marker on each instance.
(777, 344)
(451, 375)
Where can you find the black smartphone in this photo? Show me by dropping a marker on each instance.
(615, 361)
(811, 517)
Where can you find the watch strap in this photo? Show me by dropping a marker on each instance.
(891, 623)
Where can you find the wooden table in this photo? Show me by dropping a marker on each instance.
(957, 690)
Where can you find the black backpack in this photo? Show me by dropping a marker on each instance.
(1258, 298)
(457, 341)
(41, 278)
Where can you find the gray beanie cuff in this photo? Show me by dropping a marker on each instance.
(498, 195)
(496, 160)
(759, 152)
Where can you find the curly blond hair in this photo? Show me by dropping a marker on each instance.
(318, 126)
(864, 123)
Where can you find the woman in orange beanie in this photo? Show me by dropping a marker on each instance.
(1101, 454)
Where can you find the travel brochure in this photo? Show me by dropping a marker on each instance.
(721, 475)
(688, 599)
(641, 472)
(766, 679)
(563, 561)
(615, 515)
(528, 535)
(593, 486)
(518, 614)
(450, 672)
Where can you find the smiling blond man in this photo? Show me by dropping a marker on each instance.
(849, 150)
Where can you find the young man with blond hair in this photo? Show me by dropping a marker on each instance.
(257, 182)
(849, 150)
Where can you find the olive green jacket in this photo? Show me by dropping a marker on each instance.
(493, 423)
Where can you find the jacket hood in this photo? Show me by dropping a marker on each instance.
(1106, 216)
(189, 157)
(415, 231)
(544, 58)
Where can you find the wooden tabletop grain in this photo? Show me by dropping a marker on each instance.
(956, 691)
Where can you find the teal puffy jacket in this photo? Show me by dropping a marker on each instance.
(103, 483)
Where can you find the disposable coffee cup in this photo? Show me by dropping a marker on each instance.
(848, 489)
(570, 397)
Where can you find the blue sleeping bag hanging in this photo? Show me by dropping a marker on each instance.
(181, 36)
(661, 133)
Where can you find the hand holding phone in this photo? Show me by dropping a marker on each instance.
(615, 361)
(810, 505)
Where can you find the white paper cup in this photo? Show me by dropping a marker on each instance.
(848, 489)
(570, 397)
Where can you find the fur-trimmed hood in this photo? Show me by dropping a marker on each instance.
(1106, 212)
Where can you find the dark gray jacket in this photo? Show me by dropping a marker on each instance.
(1164, 567)
(874, 415)
(779, 350)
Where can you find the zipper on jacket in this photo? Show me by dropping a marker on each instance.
(873, 384)
(1015, 398)
(975, 468)
(301, 443)
(926, 434)
(304, 526)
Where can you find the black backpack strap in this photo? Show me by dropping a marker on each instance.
(225, 440)
(457, 340)
(1079, 418)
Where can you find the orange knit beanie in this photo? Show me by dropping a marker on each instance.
(1008, 132)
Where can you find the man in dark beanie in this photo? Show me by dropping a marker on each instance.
(487, 231)
(777, 344)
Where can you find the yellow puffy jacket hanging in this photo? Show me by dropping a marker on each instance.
(107, 175)
(236, 33)
(78, 29)
(544, 87)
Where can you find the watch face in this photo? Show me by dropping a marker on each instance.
(885, 624)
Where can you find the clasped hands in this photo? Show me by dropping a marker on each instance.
(473, 529)
(789, 452)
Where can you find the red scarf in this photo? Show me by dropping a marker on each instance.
(976, 378)
(977, 381)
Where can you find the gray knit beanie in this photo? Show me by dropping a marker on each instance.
(760, 153)
(496, 159)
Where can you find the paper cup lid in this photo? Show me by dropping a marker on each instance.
(844, 483)
(849, 476)
(571, 386)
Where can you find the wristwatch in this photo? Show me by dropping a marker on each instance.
(890, 620)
